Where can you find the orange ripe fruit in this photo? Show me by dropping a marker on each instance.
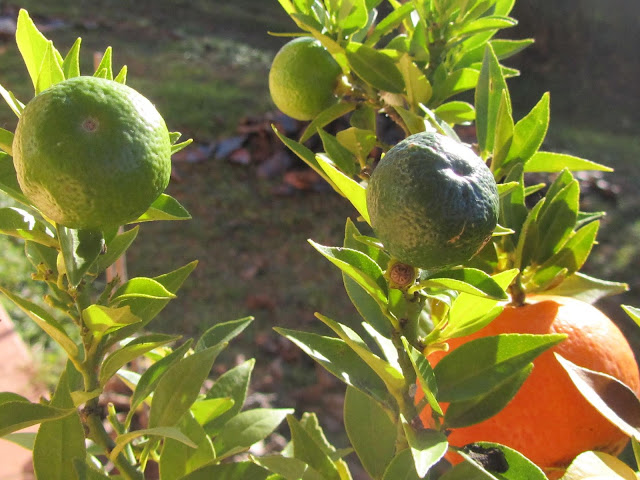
(548, 420)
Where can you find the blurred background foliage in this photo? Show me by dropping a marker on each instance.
(205, 64)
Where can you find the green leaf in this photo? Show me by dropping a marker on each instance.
(427, 447)
(178, 458)
(503, 49)
(232, 384)
(350, 189)
(247, 428)
(141, 287)
(324, 118)
(492, 22)
(165, 432)
(586, 288)
(468, 280)
(358, 141)
(306, 156)
(45, 321)
(617, 402)
(20, 223)
(31, 44)
(362, 269)
(164, 207)
(598, 465)
(402, 467)
(469, 313)
(23, 439)
(424, 374)
(371, 432)
(60, 441)
(389, 23)
(491, 84)
(152, 375)
(418, 87)
(6, 141)
(100, 319)
(207, 410)
(456, 112)
(80, 249)
(530, 131)
(456, 82)
(340, 360)
(519, 466)
(392, 378)
(222, 332)
(341, 157)
(469, 412)
(503, 133)
(556, 162)
(9, 181)
(176, 147)
(287, 467)
(138, 346)
(71, 63)
(115, 248)
(633, 312)
(481, 365)
(16, 415)
(229, 471)
(16, 105)
(51, 69)
(307, 449)
(104, 68)
(375, 68)
(180, 386)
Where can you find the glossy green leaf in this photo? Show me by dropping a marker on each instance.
(402, 467)
(100, 319)
(492, 22)
(164, 207)
(370, 430)
(468, 280)
(556, 162)
(503, 136)
(518, 466)
(617, 402)
(229, 471)
(362, 269)
(470, 312)
(358, 141)
(20, 223)
(425, 376)
(502, 47)
(222, 332)
(233, 384)
(141, 287)
(340, 360)
(587, 288)
(427, 447)
(530, 131)
(307, 449)
(60, 441)
(489, 91)
(414, 123)
(164, 432)
(417, 86)
(179, 458)
(16, 415)
(341, 156)
(598, 465)
(247, 428)
(310, 423)
(306, 156)
(389, 23)
(324, 118)
(456, 112)
(152, 375)
(475, 410)
(80, 249)
(32, 45)
(457, 82)
(71, 63)
(375, 68)
(180, 386)
(633, 312)
(6, 141)
(9, 181)
(16, 105)
(115, 248)
(147, 308)
(137, 347)
(483, 364)
(207, 410)
(104, 68)
(50, 70)
(288, 468)
(45, 321)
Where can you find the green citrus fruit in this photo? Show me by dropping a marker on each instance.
(303, 78)
(91, 153)
(432, 201)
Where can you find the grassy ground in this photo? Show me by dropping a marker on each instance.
(205, 64)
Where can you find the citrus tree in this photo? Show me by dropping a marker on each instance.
(478, 341)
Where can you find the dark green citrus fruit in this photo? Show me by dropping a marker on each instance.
(432, 201)
(91, 153)
(303, 78)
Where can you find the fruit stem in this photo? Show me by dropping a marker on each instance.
(517, 292)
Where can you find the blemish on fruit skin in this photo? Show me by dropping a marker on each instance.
(90, 124)
(455, 238)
